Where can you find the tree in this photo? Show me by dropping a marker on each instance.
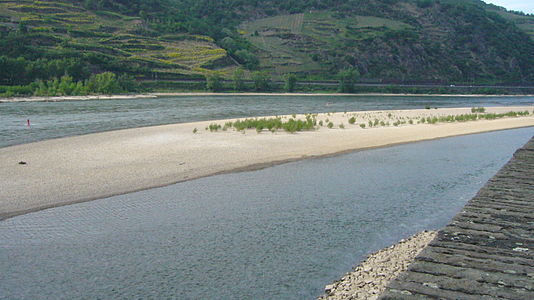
(249, 60)
(261, 81)
(346, 80)
(128, 83)
(213, 82)
(290, 81)
(22, 28)
(104, 83)
(229, 44)
(238, 75)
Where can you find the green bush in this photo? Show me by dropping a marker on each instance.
(290, 81)
(237, 77)
(104, 83)
(214, 127)
(261, 81)
(213, 82)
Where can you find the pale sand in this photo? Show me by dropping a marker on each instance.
(370, 278)
(83, 168)
(197, 94)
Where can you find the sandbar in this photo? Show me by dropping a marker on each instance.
(82, 168)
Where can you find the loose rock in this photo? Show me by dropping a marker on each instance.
(369, 279)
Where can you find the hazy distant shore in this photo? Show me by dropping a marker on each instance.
(193, 94)
(82, 168)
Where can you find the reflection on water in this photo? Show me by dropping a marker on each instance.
(278, 233)
(50, 120)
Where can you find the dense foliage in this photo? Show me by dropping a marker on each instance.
(104, 83)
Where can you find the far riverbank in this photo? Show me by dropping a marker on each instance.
(200, 94)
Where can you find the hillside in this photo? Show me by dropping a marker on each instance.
(523, 22)
(381, 40)
(434, 42)
(63, 36)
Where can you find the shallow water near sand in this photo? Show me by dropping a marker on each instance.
(279, 233)
(59, 119)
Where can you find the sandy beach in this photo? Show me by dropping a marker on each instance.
(82, 168)
(200, 94)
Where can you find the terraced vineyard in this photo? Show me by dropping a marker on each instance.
(273, 37)
(526, 23)
(288, 43)
(63, 26)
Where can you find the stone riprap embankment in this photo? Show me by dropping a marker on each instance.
(370, 278)
(487, 251)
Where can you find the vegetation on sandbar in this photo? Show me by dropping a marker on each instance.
(292, 124)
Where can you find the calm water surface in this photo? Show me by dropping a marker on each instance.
(279, 233)
(60, 119)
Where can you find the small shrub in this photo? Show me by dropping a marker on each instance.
(321, 123)
(214, 127)
(330, 125)
(341, 126)
(352, 120)
(195, 130)
(227, 125)
(478, 110)
(362, 125)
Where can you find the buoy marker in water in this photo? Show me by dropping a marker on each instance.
(28, 122)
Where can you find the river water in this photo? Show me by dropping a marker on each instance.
(279, 233)
(52, 120)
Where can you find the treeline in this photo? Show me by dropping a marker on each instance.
(21, 71)
(262, 82)
(104, 83)
(22, 62)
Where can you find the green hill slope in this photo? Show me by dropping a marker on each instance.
(436, 41)
(383, 40)
(51, 32)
